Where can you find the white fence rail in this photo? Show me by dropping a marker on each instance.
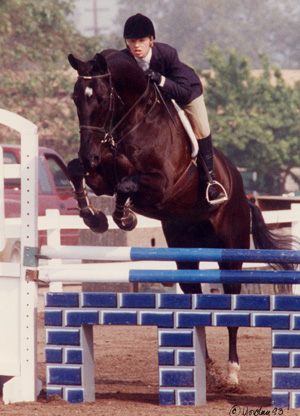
(53, 222)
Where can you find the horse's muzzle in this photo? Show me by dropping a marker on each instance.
(90, 160)
(94, 161)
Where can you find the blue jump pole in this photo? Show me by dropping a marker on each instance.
(214, 276)
(215, 254)
(171, 254)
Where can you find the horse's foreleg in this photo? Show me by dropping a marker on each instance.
(96, 220)
(123, 215)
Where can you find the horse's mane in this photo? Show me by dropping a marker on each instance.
(112, 55)
(109, 52)
(122, 65)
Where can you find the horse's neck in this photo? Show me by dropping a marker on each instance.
(134, 100)
(136, 94)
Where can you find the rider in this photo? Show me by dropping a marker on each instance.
(161, 63)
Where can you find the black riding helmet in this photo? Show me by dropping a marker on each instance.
(138, 27)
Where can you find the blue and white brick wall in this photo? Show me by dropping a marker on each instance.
(180, 320)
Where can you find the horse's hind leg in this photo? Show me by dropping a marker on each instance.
(189, 235)
(233, 225)
(192, 288)
(233, 366)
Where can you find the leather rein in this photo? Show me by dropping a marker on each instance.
(108, 131)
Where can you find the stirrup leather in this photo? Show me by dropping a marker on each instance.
(218, 200)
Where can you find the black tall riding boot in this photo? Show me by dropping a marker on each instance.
(216, 193)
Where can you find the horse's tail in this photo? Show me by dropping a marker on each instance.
(265, 238)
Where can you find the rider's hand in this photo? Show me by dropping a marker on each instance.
(154, 76)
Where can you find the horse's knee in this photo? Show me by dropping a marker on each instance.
(75, 171)
(128, 185)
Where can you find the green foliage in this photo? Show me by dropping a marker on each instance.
(34, 33)
(254, 119)
(250, 26)
(36, 79)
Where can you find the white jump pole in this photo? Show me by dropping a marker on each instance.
(24, 386)
(87, 253)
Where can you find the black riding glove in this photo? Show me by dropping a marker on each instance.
(153, 76)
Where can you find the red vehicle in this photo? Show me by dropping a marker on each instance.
(54, 191)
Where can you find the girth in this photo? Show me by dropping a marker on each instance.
(182, 182)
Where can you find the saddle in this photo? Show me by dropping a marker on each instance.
(195, 151)
(188, 128)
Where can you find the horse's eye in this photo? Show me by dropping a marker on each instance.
(103, 102)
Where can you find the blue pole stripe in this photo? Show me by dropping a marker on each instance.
(218, 255)
(214, 276)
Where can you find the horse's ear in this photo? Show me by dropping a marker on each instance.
(101, 62)
(74, 62)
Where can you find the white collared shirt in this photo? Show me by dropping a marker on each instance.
(144, 64)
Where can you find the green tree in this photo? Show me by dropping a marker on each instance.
(250, 26)
(36, 80)
(255, 120)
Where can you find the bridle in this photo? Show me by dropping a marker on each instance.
(108, 138)
(108, 129)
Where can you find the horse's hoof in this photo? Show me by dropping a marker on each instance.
(126, 223)
(233, 373)
(97, 222)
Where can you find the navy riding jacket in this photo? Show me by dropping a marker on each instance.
(182, 83)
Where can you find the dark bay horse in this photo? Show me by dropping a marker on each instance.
(133, 146)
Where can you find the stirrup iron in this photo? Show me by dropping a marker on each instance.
(218, 200)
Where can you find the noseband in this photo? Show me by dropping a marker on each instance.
(108, 132)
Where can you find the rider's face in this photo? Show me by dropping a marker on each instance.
(139, 47)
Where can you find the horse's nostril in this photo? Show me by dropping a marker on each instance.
(95, 160)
